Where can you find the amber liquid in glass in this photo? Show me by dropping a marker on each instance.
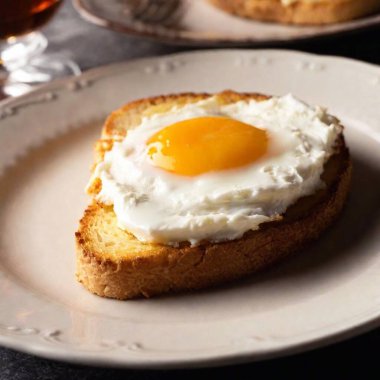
(19, 17)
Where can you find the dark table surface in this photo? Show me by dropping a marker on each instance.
(91, 46)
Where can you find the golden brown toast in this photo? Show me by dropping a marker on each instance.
(111, 262)
(300, 11)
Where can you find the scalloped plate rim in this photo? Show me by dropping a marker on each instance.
(64, 354)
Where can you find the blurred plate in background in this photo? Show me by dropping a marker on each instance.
(196, 22)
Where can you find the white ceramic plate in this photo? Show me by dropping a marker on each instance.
(197, 22)
(329, 292)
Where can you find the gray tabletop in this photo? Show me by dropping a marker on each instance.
(91, 46)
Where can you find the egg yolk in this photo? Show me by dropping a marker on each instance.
(204, 144)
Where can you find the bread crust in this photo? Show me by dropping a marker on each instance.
(112, 263)
(300, 12)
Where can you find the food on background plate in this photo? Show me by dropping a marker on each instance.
(192, 190)
(307, 12)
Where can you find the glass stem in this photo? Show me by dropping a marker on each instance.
(15, 52)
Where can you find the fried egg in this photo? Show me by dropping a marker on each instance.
(206, 171)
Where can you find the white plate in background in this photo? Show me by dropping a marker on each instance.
(198, 23)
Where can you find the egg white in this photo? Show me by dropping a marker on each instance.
(158, 206)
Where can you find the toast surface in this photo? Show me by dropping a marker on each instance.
(112, 263)
(303, 12)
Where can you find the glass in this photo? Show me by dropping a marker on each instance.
(21, 46)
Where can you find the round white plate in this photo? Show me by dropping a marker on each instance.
(329, 292)
(197, 22)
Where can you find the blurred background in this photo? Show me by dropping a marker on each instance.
(66, 44)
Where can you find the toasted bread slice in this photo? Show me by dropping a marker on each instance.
(112, 263)
(307, 12)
